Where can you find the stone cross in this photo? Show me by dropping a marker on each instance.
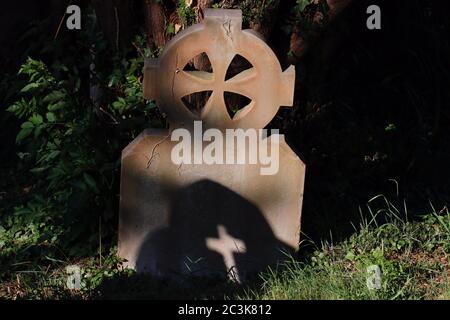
(206, 218)
(221, 38)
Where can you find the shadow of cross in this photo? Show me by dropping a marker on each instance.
(226, 245)
(221, 38)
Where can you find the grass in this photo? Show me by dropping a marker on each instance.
(412, 255)
(414, 258)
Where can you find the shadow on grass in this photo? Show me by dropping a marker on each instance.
(146, 287)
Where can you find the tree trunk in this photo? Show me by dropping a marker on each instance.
(155, 21)
(299, 44)
(116, 20)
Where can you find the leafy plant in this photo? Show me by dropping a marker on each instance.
(71, 144)
(186, 13)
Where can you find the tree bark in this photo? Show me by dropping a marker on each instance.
(299, 44)
(115, 19)
(155, 20)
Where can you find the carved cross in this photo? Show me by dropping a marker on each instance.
(221, 37)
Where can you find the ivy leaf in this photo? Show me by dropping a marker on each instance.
(13, 108)
(56, 106)
(27, 125)
(29, 87)
(54, 96)
(23, 134)
(38, 130)
(36, 119)
(170, 29)
(51, 117)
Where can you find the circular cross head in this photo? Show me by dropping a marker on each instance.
(221, 37)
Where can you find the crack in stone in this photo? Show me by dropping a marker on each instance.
(177, 71)
(227, 27)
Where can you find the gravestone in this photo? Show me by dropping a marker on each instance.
(202, 218)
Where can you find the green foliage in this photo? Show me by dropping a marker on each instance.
(256, 11)
(57, 145)
(75, 114)
(186, 13)
(301, 5)
(29, 226)
(71, 147)
(46, 283)
(413, 258)
(170, 29)
(310, 17)
(94, 273)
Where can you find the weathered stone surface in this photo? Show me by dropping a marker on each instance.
(205, 219)
(169, 213)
